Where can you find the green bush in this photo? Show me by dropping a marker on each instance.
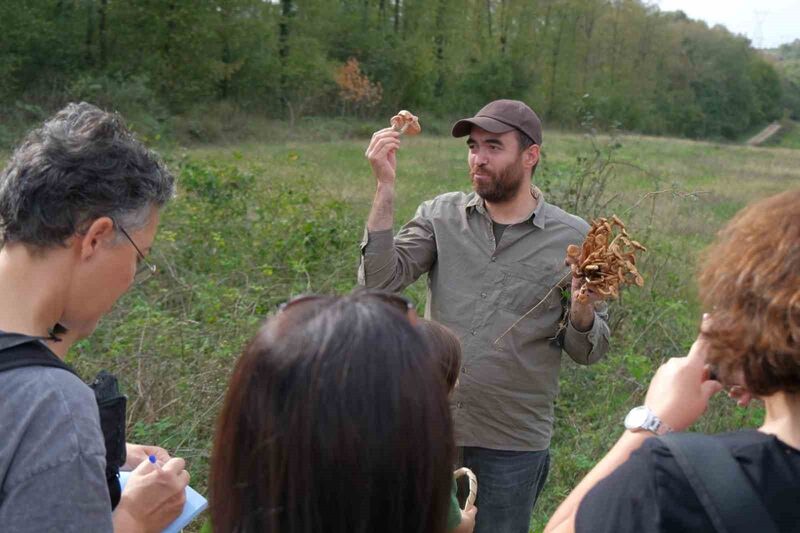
(131, 96)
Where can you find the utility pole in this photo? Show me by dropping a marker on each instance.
(758, 35)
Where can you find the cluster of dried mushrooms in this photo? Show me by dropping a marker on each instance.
(606, 261)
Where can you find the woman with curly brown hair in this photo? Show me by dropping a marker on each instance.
(746, 480)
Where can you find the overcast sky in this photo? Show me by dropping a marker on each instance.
(767, 23)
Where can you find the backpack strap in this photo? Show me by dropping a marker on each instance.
(719, 483)
(17, 351)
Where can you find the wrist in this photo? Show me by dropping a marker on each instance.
(132, 457)
(642, 419)
(385, 189)
(381, 216)
(124, 521)
(635, 437)
(582, 317)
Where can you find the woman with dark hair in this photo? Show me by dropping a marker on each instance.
(335, 420)
(740, 481)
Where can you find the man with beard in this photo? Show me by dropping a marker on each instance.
(494, 258)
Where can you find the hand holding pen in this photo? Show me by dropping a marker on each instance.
(153, 497)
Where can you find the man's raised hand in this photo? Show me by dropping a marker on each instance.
(382, 155)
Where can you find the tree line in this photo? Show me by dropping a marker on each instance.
(611, 63)
(786, 59)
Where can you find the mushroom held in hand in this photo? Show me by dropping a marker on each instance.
(405, 122)
(605, 262)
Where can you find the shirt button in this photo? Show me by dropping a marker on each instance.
(483, 295)
(494, 259)
(463, 370)
(474, 332)
(459, 405)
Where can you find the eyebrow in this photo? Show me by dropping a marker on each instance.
(492, 140)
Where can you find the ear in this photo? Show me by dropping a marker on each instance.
(100, 231)
(531, 156)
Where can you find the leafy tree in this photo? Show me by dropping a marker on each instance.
(621, 62)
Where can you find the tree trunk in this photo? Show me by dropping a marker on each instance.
(588, 30)
(283, 51)
(283, 29)
(103, 38)
(489, 16)
(89, 57)
(554, 57)
(439, 42)
(226, 59)
(614, 43)
(170, 29)
(504, 18)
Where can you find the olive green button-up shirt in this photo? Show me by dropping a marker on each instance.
(506, 389)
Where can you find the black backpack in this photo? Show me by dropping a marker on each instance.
(18, 351)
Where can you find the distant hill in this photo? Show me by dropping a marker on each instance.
(788, 51)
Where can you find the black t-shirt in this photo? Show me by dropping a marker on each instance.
(649, 492)
(498, 230)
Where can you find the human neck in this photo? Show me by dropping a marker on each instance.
(63, 344)
(35, 285)
(517, 209)
(783, 418)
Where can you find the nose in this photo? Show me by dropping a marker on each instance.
(479, 159)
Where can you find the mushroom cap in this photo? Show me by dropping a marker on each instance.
(404, 119)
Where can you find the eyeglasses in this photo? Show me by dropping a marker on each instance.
(144, 269)
(396, 301)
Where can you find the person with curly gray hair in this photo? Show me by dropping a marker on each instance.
(79, 207)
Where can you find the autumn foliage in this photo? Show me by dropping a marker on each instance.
(356, 91)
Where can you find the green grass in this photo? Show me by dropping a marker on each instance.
(257, 223)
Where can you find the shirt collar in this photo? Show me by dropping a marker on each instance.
(538, 217)
(476, 202)
(540, 213)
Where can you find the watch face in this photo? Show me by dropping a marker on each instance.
(636, 417)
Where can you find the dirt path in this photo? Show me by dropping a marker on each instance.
(765, 134)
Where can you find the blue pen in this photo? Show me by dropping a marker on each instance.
(153, 459)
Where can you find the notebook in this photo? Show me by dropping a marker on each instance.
(195, 504)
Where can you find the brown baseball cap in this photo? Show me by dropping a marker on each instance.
(501, 116)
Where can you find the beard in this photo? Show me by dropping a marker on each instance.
(501, 186)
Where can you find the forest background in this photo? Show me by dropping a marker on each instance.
(179, 67)
(263, 110)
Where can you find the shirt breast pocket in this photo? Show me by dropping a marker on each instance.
(532, 287)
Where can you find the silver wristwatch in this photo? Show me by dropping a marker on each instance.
(643, 419)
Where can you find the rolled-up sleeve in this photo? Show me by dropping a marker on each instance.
(588, 347)
(393, 263)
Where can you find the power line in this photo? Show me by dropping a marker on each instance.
(758, 34)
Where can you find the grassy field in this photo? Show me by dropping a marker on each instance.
(257, 223)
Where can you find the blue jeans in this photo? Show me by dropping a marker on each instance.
(508, 485)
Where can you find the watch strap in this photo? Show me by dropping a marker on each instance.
(651, 423)
(657, 426)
